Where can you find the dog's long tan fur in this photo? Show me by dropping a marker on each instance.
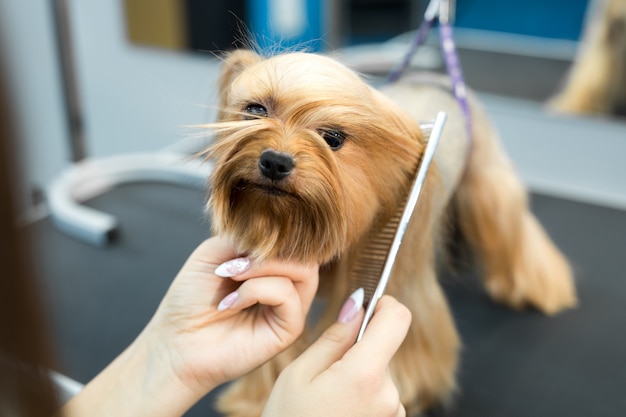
(332, 200)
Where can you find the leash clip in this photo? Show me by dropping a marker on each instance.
(441, 9)
(443, 12)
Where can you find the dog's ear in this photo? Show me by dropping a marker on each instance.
(234, 64)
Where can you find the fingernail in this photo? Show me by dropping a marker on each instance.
(352, 306)
(228, 301)
(233, 267)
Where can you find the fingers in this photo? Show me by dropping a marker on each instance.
(384, 334)
(241, 269)
(380, 342)
(340, 377)
(330, 347)
(303, 277)
(218, 257)
(214, 250)
(206, 257)
(279, 293)
(271, 291)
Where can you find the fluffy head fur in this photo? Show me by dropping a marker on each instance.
(332, 197)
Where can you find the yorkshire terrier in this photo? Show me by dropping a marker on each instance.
(596, 83)
(310, 161)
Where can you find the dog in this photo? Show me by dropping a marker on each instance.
(596, 83)
(310, 162)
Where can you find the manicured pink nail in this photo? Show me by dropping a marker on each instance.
(352, 306)
(228, 301)
(233, 267)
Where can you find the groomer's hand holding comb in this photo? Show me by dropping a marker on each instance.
(335, 377)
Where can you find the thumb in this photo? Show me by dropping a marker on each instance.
(335, 341)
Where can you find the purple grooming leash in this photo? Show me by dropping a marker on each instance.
(440, 9)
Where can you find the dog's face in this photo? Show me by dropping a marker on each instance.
(308, 157)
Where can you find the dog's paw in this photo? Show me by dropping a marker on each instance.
(548, 294)
(535, 275)
(540, 278)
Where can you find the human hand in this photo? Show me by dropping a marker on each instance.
(212, 329)
(335, 377)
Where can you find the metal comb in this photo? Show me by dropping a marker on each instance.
(378, 245)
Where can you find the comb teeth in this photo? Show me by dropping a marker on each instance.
(367, 268)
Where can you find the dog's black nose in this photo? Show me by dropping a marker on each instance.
(275, 165)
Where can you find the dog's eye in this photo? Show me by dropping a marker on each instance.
(255, 111)
(334, 138)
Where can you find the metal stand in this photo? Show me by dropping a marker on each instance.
(86, 177)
